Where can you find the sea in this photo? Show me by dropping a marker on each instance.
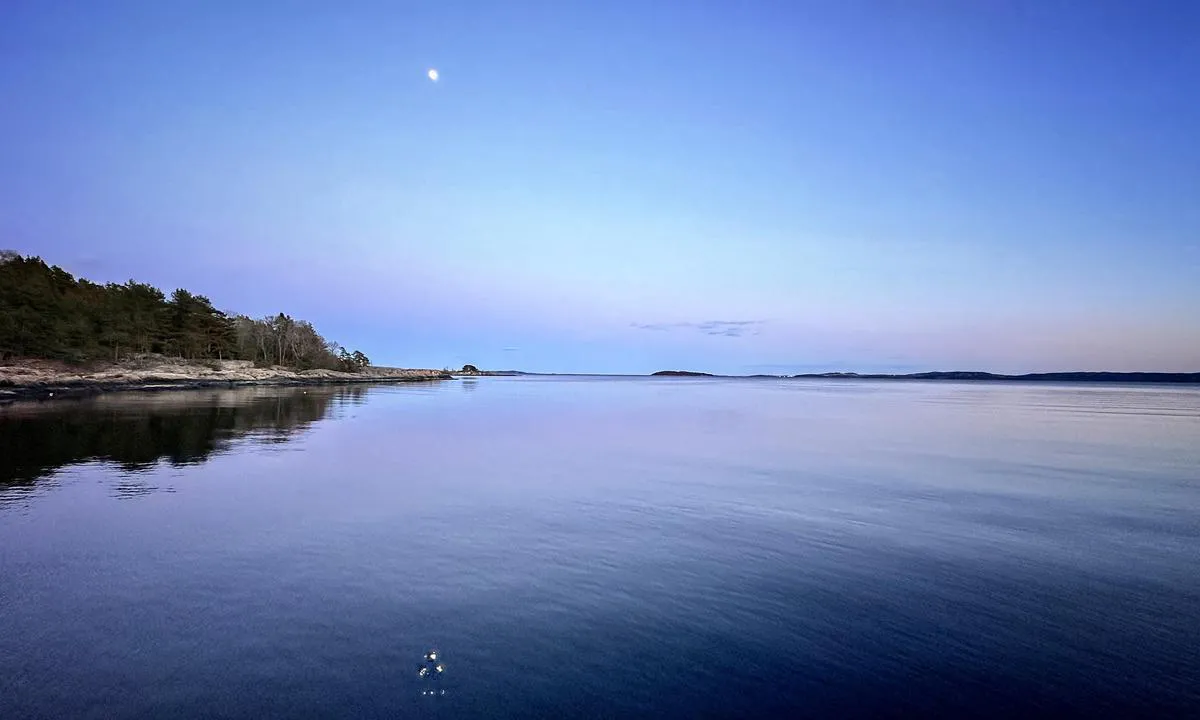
(601, 547)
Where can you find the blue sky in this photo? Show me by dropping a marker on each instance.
(768, 186)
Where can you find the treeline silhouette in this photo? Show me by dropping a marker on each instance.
(137, 431)
(45, 312)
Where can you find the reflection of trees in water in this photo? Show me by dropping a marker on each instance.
(131, 487)
(137, 430)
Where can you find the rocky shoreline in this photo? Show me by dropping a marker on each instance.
(40, 380)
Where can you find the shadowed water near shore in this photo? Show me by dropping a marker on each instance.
(599, 547)
(136, 431)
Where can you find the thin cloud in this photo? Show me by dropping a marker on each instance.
(725, 328)
(511, 349)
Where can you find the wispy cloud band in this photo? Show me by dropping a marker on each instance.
(727, 328)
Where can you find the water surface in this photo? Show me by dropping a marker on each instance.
(603, 548)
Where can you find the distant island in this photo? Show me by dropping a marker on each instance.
(472, 371)
(1101, 377)
(971, 376)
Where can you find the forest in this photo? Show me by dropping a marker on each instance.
(45, 312)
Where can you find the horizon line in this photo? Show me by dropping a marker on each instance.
(852, 374)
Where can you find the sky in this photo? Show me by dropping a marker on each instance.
(769, 186)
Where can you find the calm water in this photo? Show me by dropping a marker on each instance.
(603, 548)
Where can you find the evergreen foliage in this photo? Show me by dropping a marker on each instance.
(45, 312)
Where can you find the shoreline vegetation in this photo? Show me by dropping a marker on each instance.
(48, 314)
(62, 336)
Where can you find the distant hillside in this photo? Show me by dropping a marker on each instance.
(681, 373)
(1102, 377)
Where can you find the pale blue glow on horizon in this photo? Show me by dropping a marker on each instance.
(878, 186)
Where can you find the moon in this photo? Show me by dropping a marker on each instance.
(433, 74)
